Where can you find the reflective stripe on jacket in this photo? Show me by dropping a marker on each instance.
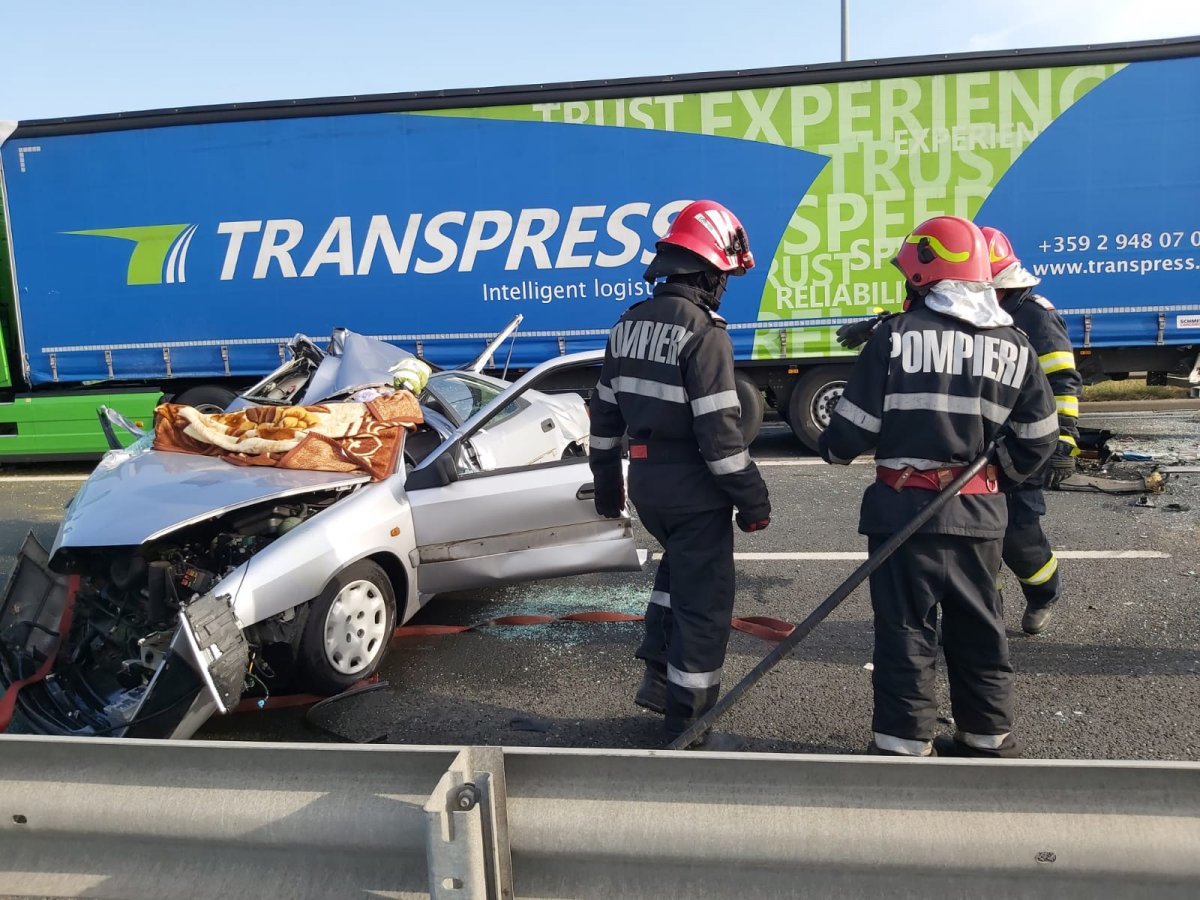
(668, 380)
(928, 391)
(1047, 333)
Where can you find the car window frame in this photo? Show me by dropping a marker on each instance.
(433, 473)
(520, 403)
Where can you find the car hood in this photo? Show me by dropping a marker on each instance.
(134, 498)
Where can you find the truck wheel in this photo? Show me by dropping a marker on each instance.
(207, 398)
(812, 402)
(751, 400)
(349, 628)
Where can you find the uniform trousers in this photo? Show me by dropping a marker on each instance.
(691, 607)
(1027, 550)
(956, 576)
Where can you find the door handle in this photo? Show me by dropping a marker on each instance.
(586, 492)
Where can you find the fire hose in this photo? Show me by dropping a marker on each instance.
(766, 628)
(784, 648)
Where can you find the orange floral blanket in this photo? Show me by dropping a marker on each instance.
(333, 437)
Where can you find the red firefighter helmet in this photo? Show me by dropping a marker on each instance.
(945, 247)
(713, 233)
(1000, 251)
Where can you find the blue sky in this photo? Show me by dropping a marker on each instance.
(75, 57)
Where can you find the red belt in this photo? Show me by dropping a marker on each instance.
(665, 451)
(986, 481)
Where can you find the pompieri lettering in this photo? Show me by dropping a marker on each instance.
(644, 339)
(956, 352)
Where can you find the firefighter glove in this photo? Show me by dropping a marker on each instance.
(756, 516)
(855, 334)
(1062, 466)
(610, 491)
(751, 525)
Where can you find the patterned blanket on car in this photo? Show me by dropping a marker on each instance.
(332, 437)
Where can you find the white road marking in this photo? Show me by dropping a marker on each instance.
(44, 478)
(1176, 413)
(858, 555)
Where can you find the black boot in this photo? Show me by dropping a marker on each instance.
(1039, 602)
(1036, 619)
(952, 746)
(652, 692)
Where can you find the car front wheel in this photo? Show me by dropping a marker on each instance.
(348, 630)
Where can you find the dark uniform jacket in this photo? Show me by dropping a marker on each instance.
(1037, 317)
(668, 381)
(930, 391)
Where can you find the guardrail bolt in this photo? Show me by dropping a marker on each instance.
(465, 797)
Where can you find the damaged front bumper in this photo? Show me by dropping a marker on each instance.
(54, 696)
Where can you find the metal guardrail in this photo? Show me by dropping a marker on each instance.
(132, 819)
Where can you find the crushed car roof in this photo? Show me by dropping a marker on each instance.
(355, 361)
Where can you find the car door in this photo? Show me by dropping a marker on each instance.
(475, 528)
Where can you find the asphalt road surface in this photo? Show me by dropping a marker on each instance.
(1116, 676)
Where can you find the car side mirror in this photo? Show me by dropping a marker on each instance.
(441, 471)
(109, 417)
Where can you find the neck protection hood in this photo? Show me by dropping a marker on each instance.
(973, 302)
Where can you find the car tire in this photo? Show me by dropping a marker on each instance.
(207, 398)
(348, 630)
(812, 401)
(751, 400)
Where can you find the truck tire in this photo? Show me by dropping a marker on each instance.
(751, 400)
(208, 398)
(348, 629)
(812, 401)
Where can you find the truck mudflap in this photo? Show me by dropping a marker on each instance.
(222, 654)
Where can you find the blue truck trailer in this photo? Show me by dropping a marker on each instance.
(176, 251)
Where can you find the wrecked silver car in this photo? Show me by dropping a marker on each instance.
(178, 583)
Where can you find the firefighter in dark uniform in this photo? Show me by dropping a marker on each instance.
(929, 392)
(1026, 550)
(668, 382)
